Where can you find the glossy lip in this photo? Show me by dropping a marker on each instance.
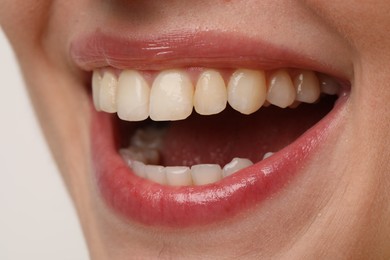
(186, 49)
(157, 205)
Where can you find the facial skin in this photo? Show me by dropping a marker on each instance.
(343, 216)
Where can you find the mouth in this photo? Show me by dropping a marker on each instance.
(193, 130)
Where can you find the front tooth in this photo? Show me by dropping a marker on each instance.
(247, 90)
(171, 97)
(206, 173)
(235, 165)
(210, 93)
(178, 175)
(307, 87)
(132, 96)
(156, 173)
(281, 91)
(96, 83)
(107, 96)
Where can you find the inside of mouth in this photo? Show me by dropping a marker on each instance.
(217, 139)
(194, 127)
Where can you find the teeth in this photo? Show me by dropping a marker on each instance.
(210, 93)
(139, 169)
(247, 90)
(107, 95)
(281, 91)
(96, 83)
(133, 153)
(171, 97)
(307, 87)
(156, 173)
(206, 173)
(235, 165)
(200, 174)
(132, 96)
(178, 176)
(267, 155)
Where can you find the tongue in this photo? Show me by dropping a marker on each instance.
(219, 138)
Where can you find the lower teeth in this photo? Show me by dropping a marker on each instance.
(143, 157)
(144, 160)
(177, 154)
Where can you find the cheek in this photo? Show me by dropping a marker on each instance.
(363, 24)
(24, 21)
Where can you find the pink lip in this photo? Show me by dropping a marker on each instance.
(153, 204)
(203, 49)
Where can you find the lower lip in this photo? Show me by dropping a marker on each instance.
(152, 204)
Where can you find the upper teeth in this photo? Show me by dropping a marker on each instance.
(172, 95)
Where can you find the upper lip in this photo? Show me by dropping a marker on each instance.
(161, 205)
(187, 49)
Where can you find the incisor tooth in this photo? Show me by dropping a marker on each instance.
(107, 95)
(178, 175)
(247, 90)
(206, 173)
(156, 173)
(96, 83)
(210, 93)
(132, 96)
(171, 96)
(235, 165)
(281, 90)
(307, 87)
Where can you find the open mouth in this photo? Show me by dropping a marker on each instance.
(194, 143)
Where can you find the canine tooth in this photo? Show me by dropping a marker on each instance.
(307, 87)
(171, 96)
(281, 91)
(132, 96)
(156, 173)
(210, 95)
(267, 155)
(235, 165)
(247, 90)
(139, 168)
(107, 96)
(328, 85)
(96, 83)
(178, 175)
(206, 173)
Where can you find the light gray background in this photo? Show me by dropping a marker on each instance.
(37, 219)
